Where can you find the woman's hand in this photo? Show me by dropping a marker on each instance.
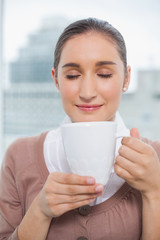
(138, 164)
(63, 192)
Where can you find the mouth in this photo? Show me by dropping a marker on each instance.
(89, 108)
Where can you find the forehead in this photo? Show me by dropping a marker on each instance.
(90, 45)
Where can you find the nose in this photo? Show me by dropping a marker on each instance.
(88, 89)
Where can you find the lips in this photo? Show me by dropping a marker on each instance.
(89, 108)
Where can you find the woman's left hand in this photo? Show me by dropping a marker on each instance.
(138, 164)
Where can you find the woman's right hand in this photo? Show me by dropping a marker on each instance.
(63, 192)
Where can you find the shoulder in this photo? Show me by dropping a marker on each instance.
(22, 144)
(22, 151)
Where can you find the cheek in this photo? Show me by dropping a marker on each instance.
(68, 91)
(112, 91)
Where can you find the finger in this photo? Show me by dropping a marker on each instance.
(127, 165)
(72, 179)
(134, 133)
(59, 199)
(135, 144)
(70, 206)
(60, 209)
(129, 154)
(65, 189)
(123, 173)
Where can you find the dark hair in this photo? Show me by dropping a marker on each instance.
(88, 25)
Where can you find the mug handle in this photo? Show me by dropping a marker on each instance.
(120, 137)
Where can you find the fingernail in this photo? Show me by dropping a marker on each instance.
(99, 188)
(90, 180)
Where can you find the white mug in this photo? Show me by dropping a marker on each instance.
(90, 148)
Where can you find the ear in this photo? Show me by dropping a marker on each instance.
(127, 79)
(54, 78)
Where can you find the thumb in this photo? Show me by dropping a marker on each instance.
(134, 133)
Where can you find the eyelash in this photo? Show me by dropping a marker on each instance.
(72, 76)
(100, 75)
(105, 75)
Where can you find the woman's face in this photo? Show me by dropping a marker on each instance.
(90, 78)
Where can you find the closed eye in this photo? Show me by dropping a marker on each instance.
(72, 76)
(105, 75)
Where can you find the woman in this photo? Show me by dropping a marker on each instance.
(39, 197)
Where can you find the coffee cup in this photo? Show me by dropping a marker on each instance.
(90, 148)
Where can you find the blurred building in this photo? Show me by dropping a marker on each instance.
(35, 60)
(31, 102)
(31, 109)
(141, 109)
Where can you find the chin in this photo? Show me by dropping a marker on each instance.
(90, 119)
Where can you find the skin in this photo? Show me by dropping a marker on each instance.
(93, 84)
(139, 165)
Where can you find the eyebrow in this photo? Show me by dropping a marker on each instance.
(101, 63)
(98, 64)
(71, 65)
